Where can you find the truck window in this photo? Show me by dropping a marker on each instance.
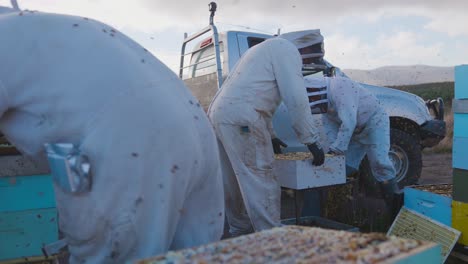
(252, 41)
(203, 61)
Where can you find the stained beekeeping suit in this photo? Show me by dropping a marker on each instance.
(241, 113)
(357, 125)
(150, 152)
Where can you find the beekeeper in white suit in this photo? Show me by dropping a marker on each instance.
(357, 125)
(241, 114)
(154, 175)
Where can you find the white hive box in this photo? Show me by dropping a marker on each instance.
(295, 171)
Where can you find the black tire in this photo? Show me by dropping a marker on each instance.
(405, 153)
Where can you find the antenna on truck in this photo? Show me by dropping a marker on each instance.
(214, 41)
(212, 7)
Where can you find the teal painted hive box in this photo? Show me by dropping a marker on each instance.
(460, 110)
(28, 217)
(433, 201)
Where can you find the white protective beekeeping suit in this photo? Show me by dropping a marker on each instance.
(241, 114)
(356, 125)
(154, 159)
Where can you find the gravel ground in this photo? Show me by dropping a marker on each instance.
(437, 168)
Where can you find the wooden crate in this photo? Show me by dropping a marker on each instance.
(435, 206)
(28, 217)
(460, 153)
(439, 207)
(297, 244)
(413, 225)
(300, 174)
(460, 220)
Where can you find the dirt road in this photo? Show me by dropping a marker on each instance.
(437, 168)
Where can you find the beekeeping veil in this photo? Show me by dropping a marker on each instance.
(310, 45)
(317, 93)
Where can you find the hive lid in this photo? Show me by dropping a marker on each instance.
(413, 225)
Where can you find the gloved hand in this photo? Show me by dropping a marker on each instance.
(277, 144)
(351, 172)
(317, 151)
(393, 196)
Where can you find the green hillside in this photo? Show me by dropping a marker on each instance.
(431, 90)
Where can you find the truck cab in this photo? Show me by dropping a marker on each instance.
(415, 124)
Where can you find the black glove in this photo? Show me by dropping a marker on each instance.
(393, 196)
(351, 172)
(277, 144)
(319, 156)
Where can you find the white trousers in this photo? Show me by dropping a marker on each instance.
(252, 193)
(373, 140)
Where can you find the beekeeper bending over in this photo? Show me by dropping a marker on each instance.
(357, 125)
(143, 168)
(241, 113)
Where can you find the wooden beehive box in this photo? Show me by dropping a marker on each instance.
(413, 225)
(297, 244)
(460, 153)
(433, 201)
(28, 217)
(295, 171)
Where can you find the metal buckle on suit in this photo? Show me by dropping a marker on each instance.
(70, 168)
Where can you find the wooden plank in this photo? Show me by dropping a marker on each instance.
(34, 260)
(460, 220)
(460, 182)
(459, 256)
(18, 165)
(460, 153)
(461, 82)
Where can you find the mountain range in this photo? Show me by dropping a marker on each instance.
(402, 75)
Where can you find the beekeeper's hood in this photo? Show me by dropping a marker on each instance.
(309, 43)
(317, 92)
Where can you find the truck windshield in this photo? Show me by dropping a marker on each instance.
(203, 61)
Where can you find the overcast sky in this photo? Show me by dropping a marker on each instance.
(359, 34)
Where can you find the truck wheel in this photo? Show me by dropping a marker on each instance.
(405, 154)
